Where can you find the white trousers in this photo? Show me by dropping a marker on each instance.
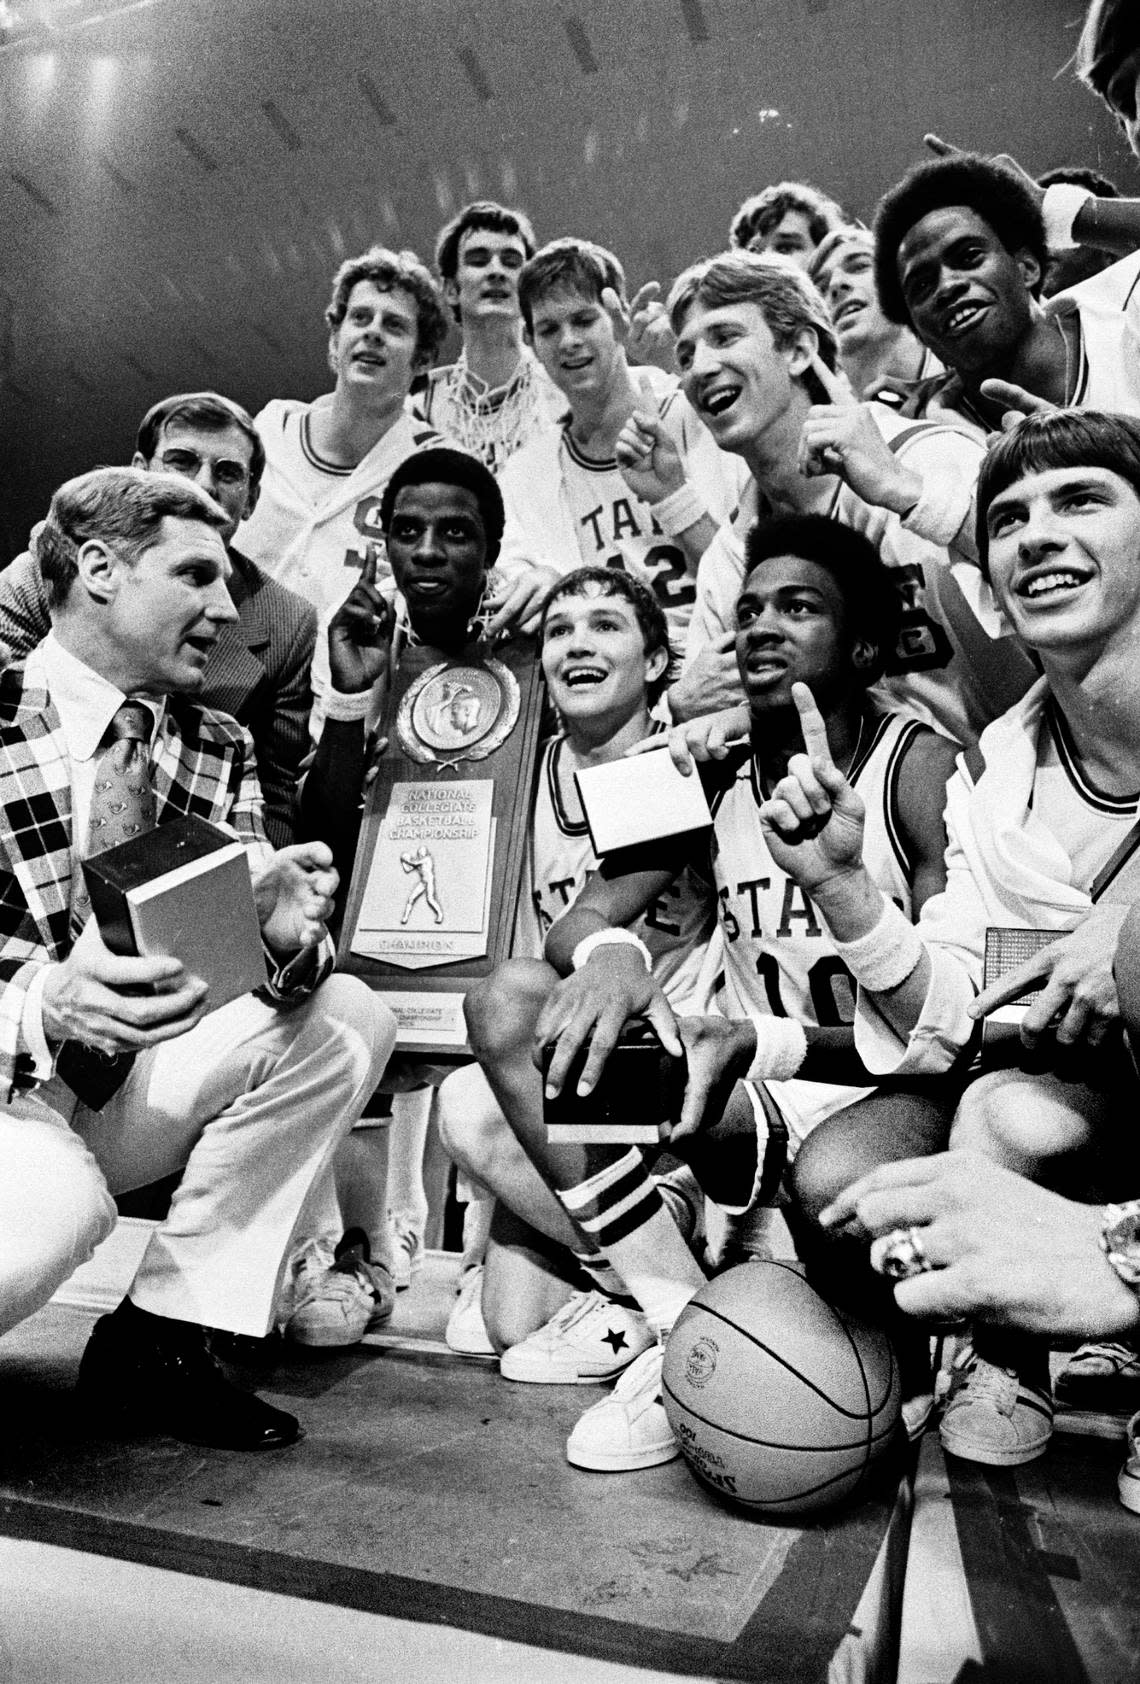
(253, 1103)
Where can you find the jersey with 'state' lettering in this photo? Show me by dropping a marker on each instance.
(676, 928)
(616, 529)
(778, 956)
(566, 510)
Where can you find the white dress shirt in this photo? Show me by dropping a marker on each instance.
(86, 703)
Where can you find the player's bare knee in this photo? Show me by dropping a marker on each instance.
(502, 1009)
(994, 1115)
(819, 1174)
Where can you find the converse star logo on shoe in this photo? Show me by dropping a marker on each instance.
(615, 1339)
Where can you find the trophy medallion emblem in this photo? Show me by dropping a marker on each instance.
(456, 712)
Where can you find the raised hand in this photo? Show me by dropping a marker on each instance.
(651, 337)
(649, 461)
(360, 634)
(813, 820)
(618, 312)
(945, 149)
(294, 896)
(842, 437)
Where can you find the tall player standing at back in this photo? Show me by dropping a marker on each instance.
(327, 462)
(495, 397)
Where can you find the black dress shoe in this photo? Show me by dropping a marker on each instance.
(147, 1374)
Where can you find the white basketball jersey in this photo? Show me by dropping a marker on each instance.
(676, 928)
(616, 529)
(778, 956)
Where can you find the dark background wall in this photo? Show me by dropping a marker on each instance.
(179, 178)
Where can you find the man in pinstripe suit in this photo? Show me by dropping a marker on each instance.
(259, 667)
(251, 1098)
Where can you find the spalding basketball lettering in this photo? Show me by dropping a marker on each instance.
(722, 1482)
(701, 1364)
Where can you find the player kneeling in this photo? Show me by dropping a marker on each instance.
(607, 658)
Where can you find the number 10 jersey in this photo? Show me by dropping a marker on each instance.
(778, 956)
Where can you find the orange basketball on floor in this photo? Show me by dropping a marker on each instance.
(780, 1402)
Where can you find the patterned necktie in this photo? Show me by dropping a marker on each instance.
(122, 802)
(122, 806)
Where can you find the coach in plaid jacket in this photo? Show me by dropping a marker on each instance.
(249, 1100)
(260, 667)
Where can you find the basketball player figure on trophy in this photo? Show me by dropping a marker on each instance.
(421, 862)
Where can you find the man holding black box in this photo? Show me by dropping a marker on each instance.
(98, 741)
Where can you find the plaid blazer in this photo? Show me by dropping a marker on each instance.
(259, 670)
(203, 763)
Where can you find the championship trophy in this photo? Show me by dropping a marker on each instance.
(439, 863)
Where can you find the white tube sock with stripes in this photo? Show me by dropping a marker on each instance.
(621, 1210)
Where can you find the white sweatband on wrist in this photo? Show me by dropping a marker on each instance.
(680, 510)
(886, 955)
(608, 938)
(1059, 210)
(347, 706)
(781, 1047)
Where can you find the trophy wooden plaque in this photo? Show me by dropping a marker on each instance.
(438, 869)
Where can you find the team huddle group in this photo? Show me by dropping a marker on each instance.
(847, 523)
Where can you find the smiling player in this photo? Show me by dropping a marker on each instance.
(756, 352)
(631, 480)
(960, 251)
(1041, 829)
(870, 349)
(606, 657)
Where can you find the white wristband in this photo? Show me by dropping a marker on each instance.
(886, 955)
(347, 705)
(680, 510)
(1059, 210)
(608, 938)
(781, 1047)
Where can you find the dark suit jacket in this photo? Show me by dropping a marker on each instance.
(258, 672)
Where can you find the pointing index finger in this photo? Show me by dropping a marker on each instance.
(644, 296)
(1032, 973)
(371, 562)
(941, 148)
(836, 389)
(617, 311)
(811, 723)
(1014, 397)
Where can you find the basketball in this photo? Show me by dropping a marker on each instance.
(780, 1402)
